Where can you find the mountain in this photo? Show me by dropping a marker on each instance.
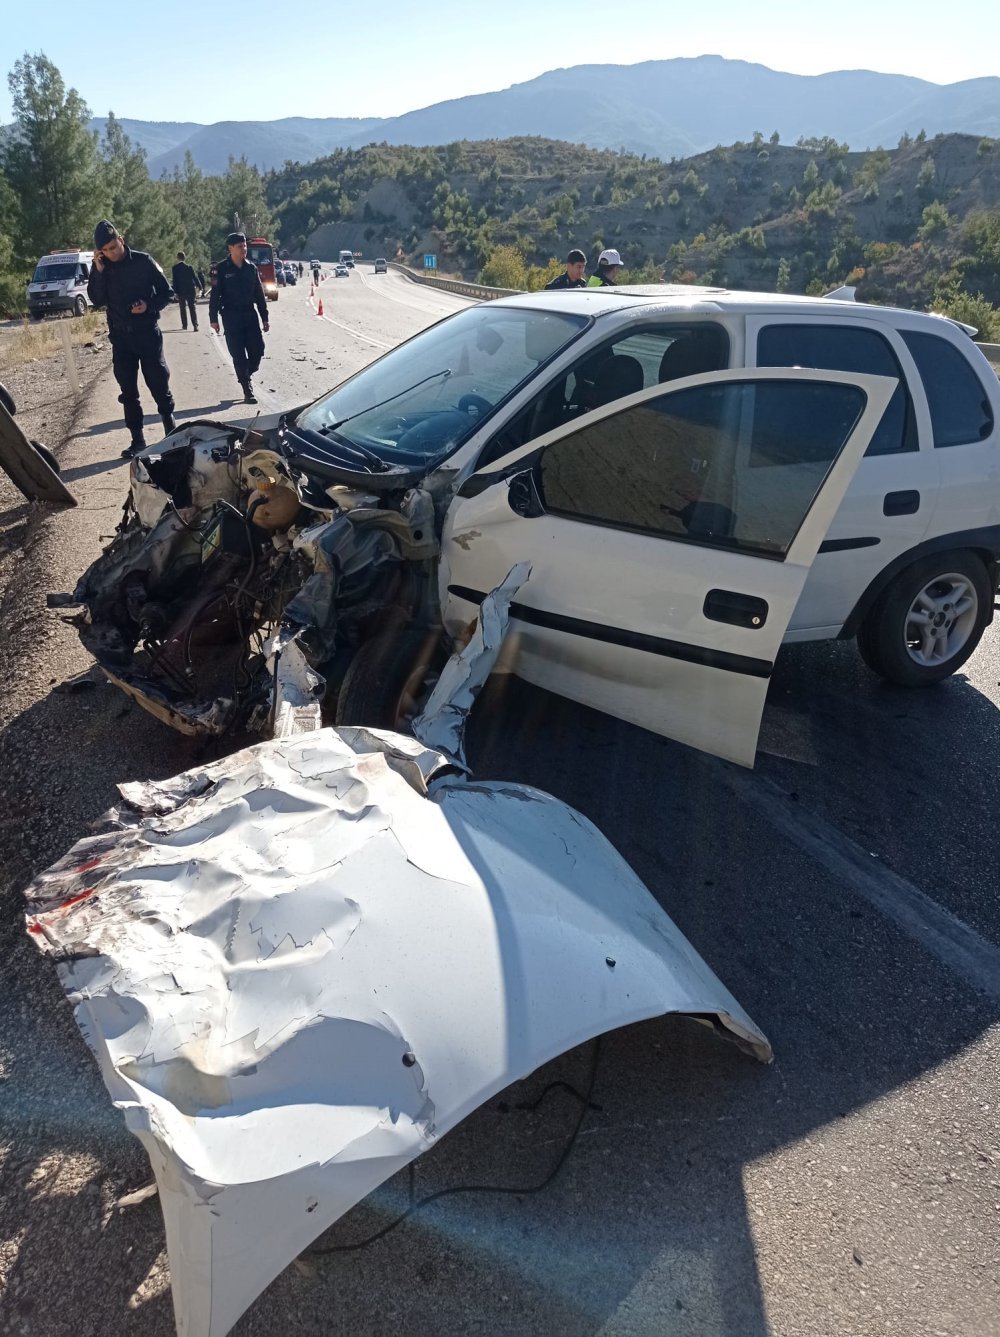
(662, 107)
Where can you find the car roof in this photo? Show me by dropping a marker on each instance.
(681, 297)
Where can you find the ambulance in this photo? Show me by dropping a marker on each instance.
(59, 283)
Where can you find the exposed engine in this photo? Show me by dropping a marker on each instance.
(227, 554)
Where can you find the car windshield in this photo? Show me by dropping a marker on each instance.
(261, 255)
(53, 273)
(426, 397)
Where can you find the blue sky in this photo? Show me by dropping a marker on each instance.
(167, 62)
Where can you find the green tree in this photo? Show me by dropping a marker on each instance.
(138, 206)
(14, 271)
(784, 278)
(242, 203)
(936, 219)
(504, 268)
(50, 159)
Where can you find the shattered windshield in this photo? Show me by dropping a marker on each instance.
(426, 397)
(54, 273)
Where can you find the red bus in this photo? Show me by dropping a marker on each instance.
(261, 253)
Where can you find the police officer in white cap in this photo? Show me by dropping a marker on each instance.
(609, 266)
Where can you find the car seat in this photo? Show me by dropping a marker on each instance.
(617, 376)
(690, 355)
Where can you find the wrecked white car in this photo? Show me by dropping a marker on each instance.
(670, 532)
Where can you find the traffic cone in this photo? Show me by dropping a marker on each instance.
(312, 290)
(319, 309)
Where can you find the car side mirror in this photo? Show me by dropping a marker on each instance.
(522, 496)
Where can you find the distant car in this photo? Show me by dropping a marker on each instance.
(381, 267)
(291, 275)
(340, 272)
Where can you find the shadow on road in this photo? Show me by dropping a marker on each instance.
(647, 1229)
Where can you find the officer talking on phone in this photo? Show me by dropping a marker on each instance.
(131, 286)
(237, 293)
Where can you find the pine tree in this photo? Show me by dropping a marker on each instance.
(50, 159)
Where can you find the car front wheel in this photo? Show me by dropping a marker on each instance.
(80, 306)
(928, 621)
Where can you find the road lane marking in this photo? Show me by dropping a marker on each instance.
(376, 343)
(937, 930)
(357, 333)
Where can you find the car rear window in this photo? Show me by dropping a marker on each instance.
(959, 405)
(846, 348)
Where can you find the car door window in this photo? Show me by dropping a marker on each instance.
(675, 465)
(846, 348)
(635, 360)
(959, 406)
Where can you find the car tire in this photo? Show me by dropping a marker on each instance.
(928, 621)
(80, 306)
(389, 678)
(7, 400)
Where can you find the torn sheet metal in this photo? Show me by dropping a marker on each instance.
(442, 723)
(298, 971)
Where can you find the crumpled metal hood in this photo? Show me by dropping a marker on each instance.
(298, 968)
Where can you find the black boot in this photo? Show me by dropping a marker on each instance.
(168, 422)
(138, 444)
(248, 395)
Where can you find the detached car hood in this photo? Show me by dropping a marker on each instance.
(298, 968)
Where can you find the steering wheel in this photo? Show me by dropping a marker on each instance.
(469, 402)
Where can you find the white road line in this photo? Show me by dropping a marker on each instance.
(376, 343)
(357, 333)
(954, 943)
(386, 291)
(219, 344)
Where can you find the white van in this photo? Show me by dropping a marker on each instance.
(59, 283)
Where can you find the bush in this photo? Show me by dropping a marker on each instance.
(504, 268)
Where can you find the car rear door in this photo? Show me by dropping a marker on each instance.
(669, 535)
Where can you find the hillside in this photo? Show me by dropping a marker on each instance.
(663, 108)
(758, 214)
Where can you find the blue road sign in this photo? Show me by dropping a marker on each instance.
(430, 262)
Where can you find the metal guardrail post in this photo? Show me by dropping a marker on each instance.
(72, 374)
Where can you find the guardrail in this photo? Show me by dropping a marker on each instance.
(477, 290)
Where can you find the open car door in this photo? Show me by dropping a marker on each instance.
(26, 467)
(669, 535)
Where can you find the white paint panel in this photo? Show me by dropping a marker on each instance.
(647, 585)
(299, 967)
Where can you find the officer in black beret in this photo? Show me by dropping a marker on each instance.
(237, 293)
(131, 285)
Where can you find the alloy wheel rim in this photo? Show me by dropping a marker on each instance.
(941, 619)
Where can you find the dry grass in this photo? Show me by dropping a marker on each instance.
(40, 339)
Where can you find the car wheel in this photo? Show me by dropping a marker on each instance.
(7, 400)
(80, 306)
(928, 621)
(47, 456)
(390, 679)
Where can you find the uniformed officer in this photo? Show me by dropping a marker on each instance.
(236, 291)
(131, 285)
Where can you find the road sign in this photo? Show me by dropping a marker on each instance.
(430, 262)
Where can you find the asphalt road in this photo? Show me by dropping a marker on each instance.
(845, 891)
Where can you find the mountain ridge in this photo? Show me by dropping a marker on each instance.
(665, 108)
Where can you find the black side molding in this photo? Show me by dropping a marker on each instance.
(843, 545)
(631, 640)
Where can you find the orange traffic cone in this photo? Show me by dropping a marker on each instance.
(319, 309)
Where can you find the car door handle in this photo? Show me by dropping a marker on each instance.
(739, 610)
(901, 503)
